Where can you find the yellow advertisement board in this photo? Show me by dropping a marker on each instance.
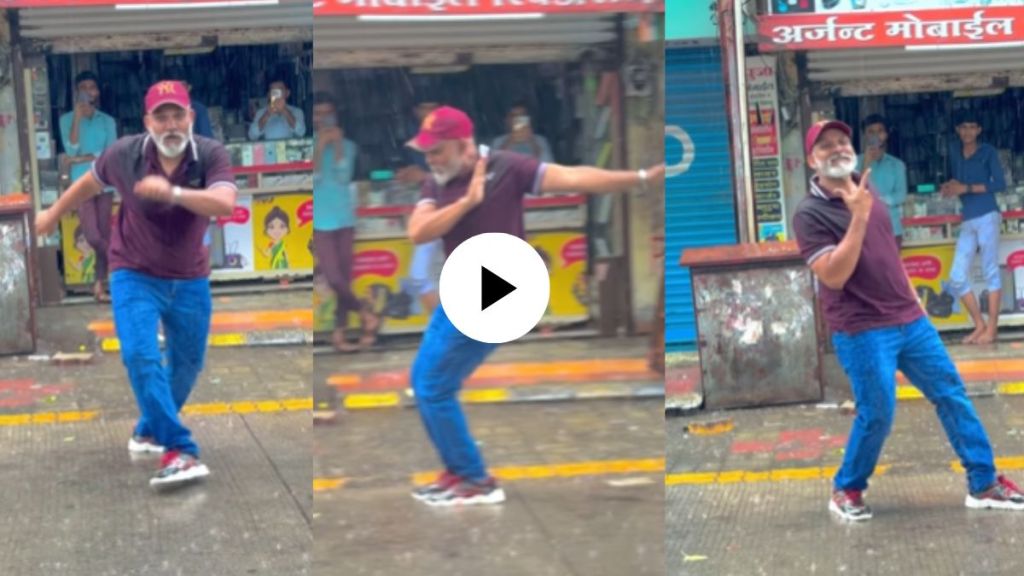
(381, 275)
(79, 256)
(283, 232)
(928, 268)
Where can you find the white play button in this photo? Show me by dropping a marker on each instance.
(495, 288)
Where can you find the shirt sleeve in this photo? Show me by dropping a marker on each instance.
(218, 168)
(65, 134)
(527, 172)
(300, 123)
(428, 193)
(105, 167)
(254, 129)
(813, 238)
(997, 179)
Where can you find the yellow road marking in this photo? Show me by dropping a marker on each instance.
(358, 401)
(908, 393)
(233, 339)
(1004, 463)
(776, 475)
(208, 409)
(1011, 389)
(484, 396)
(563, 470)
(325, 484)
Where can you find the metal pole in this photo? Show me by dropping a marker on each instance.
(730, 18)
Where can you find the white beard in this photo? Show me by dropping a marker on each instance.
(449, 172)
(840, 170)
(172, 151)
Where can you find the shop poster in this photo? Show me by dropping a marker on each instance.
(381, 276)
(238, 237)
(79, 256)
(282, 232)
(766, 149)
(929, 270)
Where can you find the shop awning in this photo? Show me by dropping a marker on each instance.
(353, 43)
(127, 26)
(895, 70)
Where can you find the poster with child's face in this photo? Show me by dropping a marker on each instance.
(79, 256)
(283, 232)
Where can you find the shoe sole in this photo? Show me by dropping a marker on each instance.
(194, 473)
(976, 504)
(138, 448)
(835, 509)
(495, 497)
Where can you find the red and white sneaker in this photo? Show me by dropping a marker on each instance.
(445, 482)
(1003, 495)
(177, 467)
(467, 493)
(849, 505)
(144, 445)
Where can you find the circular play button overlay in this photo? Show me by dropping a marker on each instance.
(495, 288)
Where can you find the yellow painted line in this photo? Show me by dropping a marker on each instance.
(484, 396)
(110, 345)
(326, 484)
(1011, 389)
(227, 339)
(249, 407)
(1004, 463)
(908, 393)
(776, 475)
(46, 418)
(564, 470)
(711, 428)
(360, 401)
(241, 320)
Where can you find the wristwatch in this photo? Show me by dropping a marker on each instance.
(176, 194)
(642, 173)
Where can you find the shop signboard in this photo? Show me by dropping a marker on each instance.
(914, 29)
(861, 6)
(407, 8)
(766, 149)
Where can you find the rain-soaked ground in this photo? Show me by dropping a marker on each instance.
(584, 488)
(754, 500)
(75, 503)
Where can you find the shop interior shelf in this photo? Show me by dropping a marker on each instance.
(230, 274)
(273, 168)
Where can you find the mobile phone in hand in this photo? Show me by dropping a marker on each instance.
(484, 151)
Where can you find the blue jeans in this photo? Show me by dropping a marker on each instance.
(445, 359)
(871, 358)
(978, 234)
(141, 302)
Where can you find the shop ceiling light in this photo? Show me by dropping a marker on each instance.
(186, 5)
(450, 17)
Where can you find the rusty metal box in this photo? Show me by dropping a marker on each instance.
(756, 324)
(17, 307)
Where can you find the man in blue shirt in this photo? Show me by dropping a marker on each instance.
(521, 138)
(85, 133)
(334, 220)
(977, 177)
(278, 120)
(888, 173)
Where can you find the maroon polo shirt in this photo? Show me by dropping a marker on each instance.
(157, 238)
(877, 295)
(510, 177)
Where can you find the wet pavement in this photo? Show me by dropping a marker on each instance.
(76, 502)
(747, 493)
(583, 481)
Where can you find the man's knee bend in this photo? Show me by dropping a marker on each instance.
(879, 421)
(140, 359)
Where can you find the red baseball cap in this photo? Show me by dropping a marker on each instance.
(445, 123)
(167, 92)
(818, 127)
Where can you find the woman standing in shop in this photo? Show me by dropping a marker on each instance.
(334, 221)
